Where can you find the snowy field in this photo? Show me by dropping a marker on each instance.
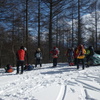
(61, 83)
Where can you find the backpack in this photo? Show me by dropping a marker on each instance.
(30, 67)
(8, 68)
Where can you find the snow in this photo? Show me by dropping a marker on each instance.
(60, 83)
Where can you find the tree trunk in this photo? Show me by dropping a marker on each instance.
(79, 25)
(27, 30)
(38, 23)
(96, 25)
(13, 38)
(72, 28)
(50, 29)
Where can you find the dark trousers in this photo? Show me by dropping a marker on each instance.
(78, 62)
(38, 61)
(20, 63)
(54, 61)
(87, 60)
(75, 61)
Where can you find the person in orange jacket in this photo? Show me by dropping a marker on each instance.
(80, 52)
(20, 58)
(54, 53)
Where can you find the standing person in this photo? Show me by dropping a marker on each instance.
(80, 52)
(54, 53)
(20, 59)
(89, 54)
(70, 56)
(38, 57)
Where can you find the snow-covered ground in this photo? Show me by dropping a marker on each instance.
(61, 83)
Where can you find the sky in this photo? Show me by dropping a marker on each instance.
(63, 82)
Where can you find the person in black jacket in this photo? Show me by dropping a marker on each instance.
(89, 53)
(38, 57)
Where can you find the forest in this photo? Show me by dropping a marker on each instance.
(45, 24)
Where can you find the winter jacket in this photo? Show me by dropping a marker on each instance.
(54, 53)
(38, 55)
(91, 50)
(87, 52)
(21, 54)
(80, 53)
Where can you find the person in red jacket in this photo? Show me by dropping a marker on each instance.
(54, 53)
(20, 59)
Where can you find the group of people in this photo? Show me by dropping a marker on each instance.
(37, 55)
(21, 53)
(74, 57)
(79, 54)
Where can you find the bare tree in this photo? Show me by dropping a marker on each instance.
(39, 23)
